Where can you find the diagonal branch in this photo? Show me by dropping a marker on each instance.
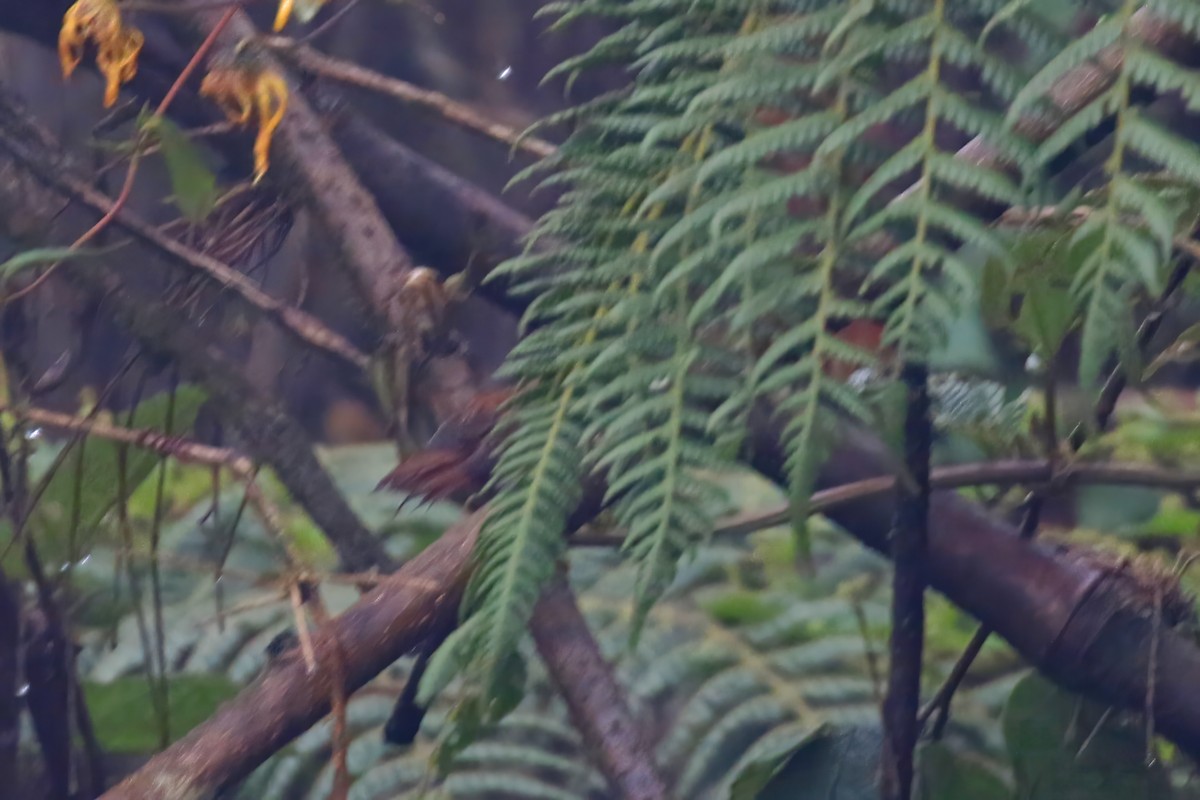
(1080, 619)
(271, 434)
(316, 63)
(376, 261)
(306, 328)
(419, 601)
(594, 698)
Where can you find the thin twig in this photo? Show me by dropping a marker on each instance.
(305, 327)
(1152, 672)
(316, 63)
(336, 669)
(329, 24)
(302, 633)
(172, 446)
(132, 170)
(1012, 473)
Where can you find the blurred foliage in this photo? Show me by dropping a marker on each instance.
(752, 679)
(123, 714)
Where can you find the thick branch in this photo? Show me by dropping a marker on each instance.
(418, 601)
(376, 261)
(447, 220)
(1077, 618)
(595, 700)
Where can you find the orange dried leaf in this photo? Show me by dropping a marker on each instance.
(242, 91)
(117, 46)
(271, 95)
(118, 62)
(283, 14)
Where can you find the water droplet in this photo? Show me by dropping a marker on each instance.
(83, 560)
(660, 384)
(23, 690)
(505, 73)
(33, 433)
(861, 378)
(1033, 363)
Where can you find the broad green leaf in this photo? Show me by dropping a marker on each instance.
(995, 293)
(85, 488)
(943, 774)
(840, 765)
(1047, 315)
(193, 184)
(739, 607)
(123, 711)
(760, 772)
(1046, 728)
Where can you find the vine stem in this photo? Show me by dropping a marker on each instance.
(131, 172)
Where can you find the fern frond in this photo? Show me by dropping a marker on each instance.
(1124, 246)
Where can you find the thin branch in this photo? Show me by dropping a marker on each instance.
(175, 447)
(305, 327)
(908, 550)
(594, 698)
(407, 304)
(316, 63)
(1110, 394)
(131, 171)
(958, 476)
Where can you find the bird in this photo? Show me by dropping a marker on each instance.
(458, 460)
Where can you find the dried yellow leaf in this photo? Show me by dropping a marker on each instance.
(117, 46)
(304, 10)
(282, 15)
(243, 91)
